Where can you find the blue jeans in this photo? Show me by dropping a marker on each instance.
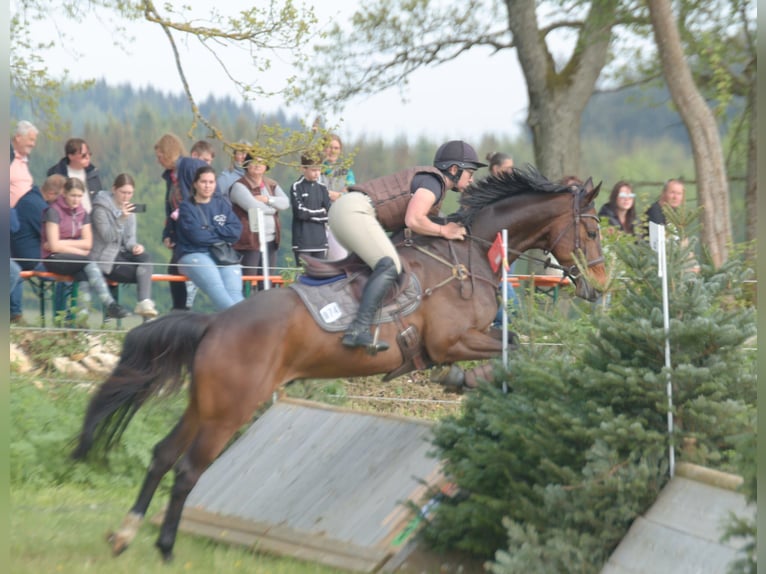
(223, 285)
(16, 288)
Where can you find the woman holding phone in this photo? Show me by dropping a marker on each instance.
(115, 249)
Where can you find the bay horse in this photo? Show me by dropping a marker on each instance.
(236, 358)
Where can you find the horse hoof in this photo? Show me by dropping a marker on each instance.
(451, 377)
(167, 553)
(118, 544)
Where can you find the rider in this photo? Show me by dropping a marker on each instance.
(361, 218)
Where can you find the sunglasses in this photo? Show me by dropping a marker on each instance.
(628, 195)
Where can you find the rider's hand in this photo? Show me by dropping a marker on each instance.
(452, 230)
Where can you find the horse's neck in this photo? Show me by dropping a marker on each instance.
(527, 219)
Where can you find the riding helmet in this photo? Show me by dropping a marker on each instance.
(459, 153)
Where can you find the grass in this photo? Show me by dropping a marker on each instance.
(60, 511)
(63, 528)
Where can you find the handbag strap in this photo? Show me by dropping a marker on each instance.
(202, 213)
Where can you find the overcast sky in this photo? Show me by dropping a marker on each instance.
(490, 99)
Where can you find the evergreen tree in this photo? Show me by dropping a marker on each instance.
(552, 473)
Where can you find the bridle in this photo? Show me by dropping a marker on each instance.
(461, 272)
(573, 272)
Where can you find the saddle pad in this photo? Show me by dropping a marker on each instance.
(333, 306)
(314, 282)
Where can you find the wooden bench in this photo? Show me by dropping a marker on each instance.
(43, 283)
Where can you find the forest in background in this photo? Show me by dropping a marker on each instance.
(632, 135)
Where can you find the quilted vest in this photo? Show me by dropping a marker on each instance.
(248, 240)
(70, 222)
(391, 194)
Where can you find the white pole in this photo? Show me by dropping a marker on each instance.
(505, 305)
(264, 251)
(662, 265)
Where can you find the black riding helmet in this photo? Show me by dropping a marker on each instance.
(459, 153)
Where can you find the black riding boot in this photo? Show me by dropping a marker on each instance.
(380, 281)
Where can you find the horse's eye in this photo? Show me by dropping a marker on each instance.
(592, 234)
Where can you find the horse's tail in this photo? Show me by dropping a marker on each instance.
(156, 356)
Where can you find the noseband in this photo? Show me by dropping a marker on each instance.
(577, 218)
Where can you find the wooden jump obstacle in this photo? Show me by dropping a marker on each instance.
(319, 483)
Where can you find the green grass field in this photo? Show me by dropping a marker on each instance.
(61, 511)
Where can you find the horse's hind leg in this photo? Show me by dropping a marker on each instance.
(165, 454)
(208, 443)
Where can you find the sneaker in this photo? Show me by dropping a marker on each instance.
(116, 311)
(146, 308)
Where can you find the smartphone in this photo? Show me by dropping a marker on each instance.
(139, 208)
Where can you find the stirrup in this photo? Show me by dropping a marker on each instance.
(362, 338)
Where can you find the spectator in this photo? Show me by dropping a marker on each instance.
(23, 142)
(178, 175)
(620, 210)
(672, 196)
(499, 162)
(203, 150)
(67, 240)
(204, 219)
(115, 249)
(310, 203)
(337, 179)
(26, 242)
(15, 274)
(236, 170)
(256, 191)
(77, 163)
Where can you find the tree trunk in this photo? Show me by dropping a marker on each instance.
(751, 185)
(712, 184)
(557, 98)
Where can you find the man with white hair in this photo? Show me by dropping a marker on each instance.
(23, 142)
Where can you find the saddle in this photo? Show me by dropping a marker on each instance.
(331, 291)
(354, 270)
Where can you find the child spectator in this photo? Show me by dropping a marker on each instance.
(310, 203)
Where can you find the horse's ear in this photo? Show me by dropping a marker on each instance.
(591, 192)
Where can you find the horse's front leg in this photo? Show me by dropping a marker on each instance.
(473, 345)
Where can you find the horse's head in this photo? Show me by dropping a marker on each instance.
(577, 232)
(541, 214)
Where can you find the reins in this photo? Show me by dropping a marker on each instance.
(458, 271)
(461, 272)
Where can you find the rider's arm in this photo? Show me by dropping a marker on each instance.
(416, 217)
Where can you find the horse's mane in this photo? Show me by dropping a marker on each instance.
(518, 181)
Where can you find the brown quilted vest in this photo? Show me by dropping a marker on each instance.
(391, 194)
(249, 241)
